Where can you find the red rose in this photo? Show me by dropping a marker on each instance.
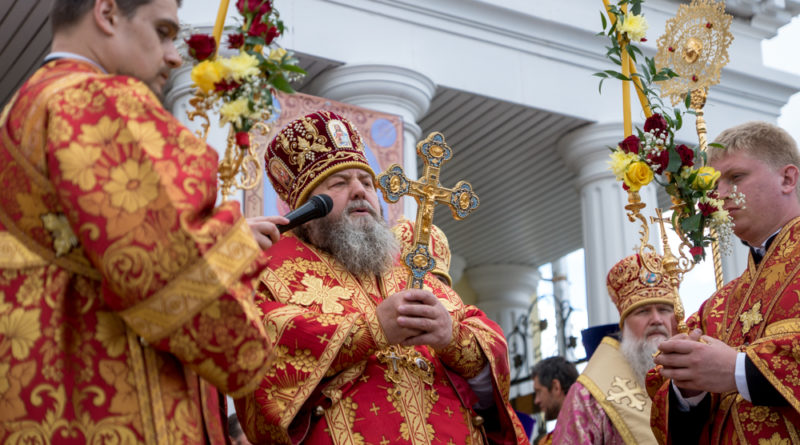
(201, 46)
(260, 7)
(656, 122)
(686, 154)
(271, 34)
(257, 29)
(706, 209)
(223, 85)
(243, 139)
(696, 251)
(659, 161)
(630, 144)
(235, 41)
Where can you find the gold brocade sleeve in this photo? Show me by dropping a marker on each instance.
(777, 357)
(139, 193)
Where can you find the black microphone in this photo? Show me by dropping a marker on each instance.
(316, 207)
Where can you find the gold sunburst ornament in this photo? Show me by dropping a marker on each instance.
(695, 46)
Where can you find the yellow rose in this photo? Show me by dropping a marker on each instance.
(638, 175)
(706, 178)
(620, 161)
(240, 66)
(635, 26)
(234, 111)
(206, 74)
(277, 55)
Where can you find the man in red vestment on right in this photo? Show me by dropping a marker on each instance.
(741, 382)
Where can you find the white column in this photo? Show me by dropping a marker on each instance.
(608, 236)
(561, 302)
(505, 293)
(385, 88)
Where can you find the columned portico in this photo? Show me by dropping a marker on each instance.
(505, 293)
(389, 89)
(608, 236)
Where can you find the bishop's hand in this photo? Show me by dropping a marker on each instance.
(697, 363)
(265, 229)
(415, 317)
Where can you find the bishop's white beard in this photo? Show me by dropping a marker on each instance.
(639, 351)
(364, 245)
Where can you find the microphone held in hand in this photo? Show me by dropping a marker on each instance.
(316, 207)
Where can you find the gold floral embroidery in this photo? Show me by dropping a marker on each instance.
(251, 355)
(21, 329)
(132, 185)
(751, 317)
(318, 293)
(59, 130)
(129, 106)
(76, 164)
(774, 440)
(4, 383)
(190, 143)
(105, 134)
(147, 136)
(30, 293)
(111, 333)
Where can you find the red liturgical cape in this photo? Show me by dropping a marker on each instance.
(759, 314)
(121, 283)
(333, 378)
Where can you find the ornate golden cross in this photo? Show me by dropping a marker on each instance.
(434, 151)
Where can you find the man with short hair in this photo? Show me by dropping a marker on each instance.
(608, 404)
(552, 378)
(739, 383)
(124, 290)
(358, 358)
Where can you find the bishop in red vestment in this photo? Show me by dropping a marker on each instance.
(356, 358)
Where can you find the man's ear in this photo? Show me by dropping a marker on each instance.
(555, 386)
(106, 15)
(790, 177)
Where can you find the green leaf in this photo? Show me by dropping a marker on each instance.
(674, 162)
(280, 83)
(293, 68)
(601, 75)
(716, 145)
(603, 20)
(617, 75)
(692, 223)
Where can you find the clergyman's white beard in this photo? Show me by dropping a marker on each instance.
(639, 351)
(364, 245)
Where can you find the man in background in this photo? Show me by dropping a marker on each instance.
(124, 290)
(552, 378)
(608, 404)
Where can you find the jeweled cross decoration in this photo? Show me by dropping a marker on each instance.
(427, 191)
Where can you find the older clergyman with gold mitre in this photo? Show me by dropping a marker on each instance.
(608, 404)
(357, 359)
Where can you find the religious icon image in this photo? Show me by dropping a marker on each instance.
(339, 134)
(279, 172)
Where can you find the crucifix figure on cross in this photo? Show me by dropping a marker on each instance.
(427, 191)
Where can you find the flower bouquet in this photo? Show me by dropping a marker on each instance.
(240, 87)
(652, 154)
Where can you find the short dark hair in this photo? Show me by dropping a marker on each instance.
(68, 12)
(555, 368)
(234, 428)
